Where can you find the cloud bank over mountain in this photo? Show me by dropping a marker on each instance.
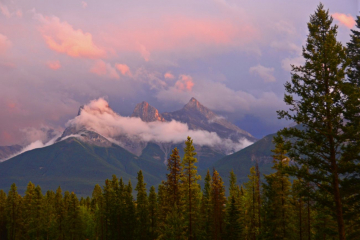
(100, 118)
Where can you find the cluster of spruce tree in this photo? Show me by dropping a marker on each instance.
(276, 209)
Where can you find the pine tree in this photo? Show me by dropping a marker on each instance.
(3, 230)
(191, 189)
(206, 209)
(163, 207)
(142, 207)
(327, 107)
(60, 213)
(173, 178)
(218, 201)
(111, 208)
(73, 224)
(174, 226)
(232, 187)
(351, 184)
(28, 211)
(153, 210)
(38, 218)
(238, 194)
(234, 229)
(252, 207)
(14, 214)
(97, 207)
(49, 215)
(277, 198)
(129, 214)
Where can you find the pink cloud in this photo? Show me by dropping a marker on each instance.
(144, 52)
(124, 69)
(178, 33)
(54, 65)
(84, 4)
(5, 11)
(185, 83)
(168, 75)
(346, 20)
(102, 68)
(19, 13)
(5, 44)
(63, 38)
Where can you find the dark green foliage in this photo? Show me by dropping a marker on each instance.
(218, 201)
(153, 214)
(130, 222)
(327, 105)
(234, 229)
(206, 209)
(190, 188)
(3, 230)
(142, 209)
(173, 178)
(14, 214)
(277, 198)
(352, 183)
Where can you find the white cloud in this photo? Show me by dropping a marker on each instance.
(265, 73)
(99, 117)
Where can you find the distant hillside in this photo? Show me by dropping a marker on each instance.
(76, 166)
(243, 160)
(7, 151)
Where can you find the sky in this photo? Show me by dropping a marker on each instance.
(232, 56)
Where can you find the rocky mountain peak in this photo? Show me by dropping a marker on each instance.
(195, 106)
(147, 113)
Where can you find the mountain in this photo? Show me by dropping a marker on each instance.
(77, 166)
(82, 157)
(147, 113)
(199, 117)
(7, 151)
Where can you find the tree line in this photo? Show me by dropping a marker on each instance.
(278, 208)
(312, 194)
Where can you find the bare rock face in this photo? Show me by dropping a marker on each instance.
(147, 113)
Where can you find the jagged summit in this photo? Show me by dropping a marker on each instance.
(196, 107)
(193, 104)
(199, 117)
(147, 113)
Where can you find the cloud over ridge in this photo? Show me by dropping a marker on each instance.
(99, 117)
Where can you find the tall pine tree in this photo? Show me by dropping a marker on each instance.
(142, 208)
(190, 186)
(325, 104)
